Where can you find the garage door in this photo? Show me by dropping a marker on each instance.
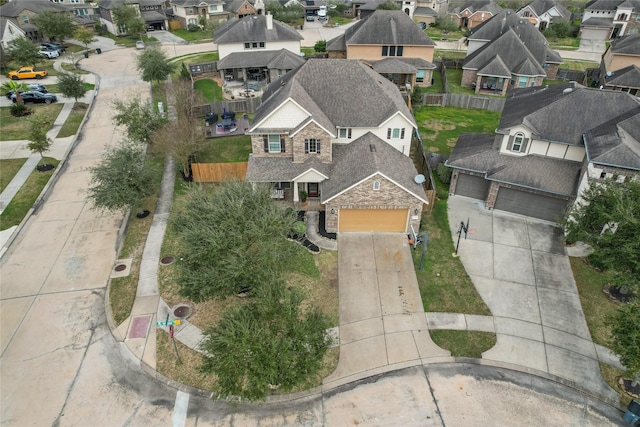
(472, 186)
(381, 220)
(529, 204)
(593, 34)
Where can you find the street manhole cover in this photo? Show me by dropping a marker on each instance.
(183, 311)
(166, 260)
(120, 267)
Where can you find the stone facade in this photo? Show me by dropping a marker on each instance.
(552, 72)
(257, 147)
(338, 54)
(362, 196)
(311, 131)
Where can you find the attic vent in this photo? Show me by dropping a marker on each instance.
(372, 147)
(567, 90)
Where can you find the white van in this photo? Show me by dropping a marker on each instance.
(322, 13)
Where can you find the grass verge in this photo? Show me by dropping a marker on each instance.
(440, 127)
(227, 149)
(209, 89)
(193, 36)
(464, 343)
(14, 128)
(26, 196)
(8, 169)
(72, 123)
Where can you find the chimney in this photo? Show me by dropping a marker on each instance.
(269, 17)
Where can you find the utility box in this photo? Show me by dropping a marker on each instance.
(632, 416)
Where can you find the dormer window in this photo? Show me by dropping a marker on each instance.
(517, 142)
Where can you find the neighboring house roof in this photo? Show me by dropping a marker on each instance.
(475, 153)
(392, 65)
(514, 57)
(628, 45)
(625, 77)
(336, 93)
(540, 7)
(597, 22)
(280, 59)
(610, 4)
(253, 28)
(13, 8)
(234, 5)
(424, 11)
(383, 27)
(190, 3)
(153, 16)
(616, 143)
(563, 113)
(479, 6)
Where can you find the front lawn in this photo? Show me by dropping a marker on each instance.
(14, 128)
(209, 89)
(440, 127)
(193, 36)
(578, 65)
(226, 149)
(8, 169)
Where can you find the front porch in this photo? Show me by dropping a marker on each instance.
(286, 195)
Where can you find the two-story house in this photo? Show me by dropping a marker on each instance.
(256, 47)
(507, 51)
(550, 141)
(242, 8)
(620, 65)
(151, 12)
(392, 44)
(609, 19)
(22, 13)
(190, 12)
(474, 12)
(341, 133)
(541, 13)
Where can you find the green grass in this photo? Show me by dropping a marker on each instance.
(55, 87)
(13, 128)
(437, 86)
(26, 196)
(8, 169)
(464, 343)
(444, 283)
(193, 36)
(579, 65)
(209, 89)
(71, 68)
(450, 54)
(159, 95)
(437, 34)
(308, 51)
(225, 149)
(72, 123)
(454, 77)
(568, 43)
(440, 127)
(340, 20)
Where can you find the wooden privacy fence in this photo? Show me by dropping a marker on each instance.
(218, 172)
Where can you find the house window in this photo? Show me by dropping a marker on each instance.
(80, 12)
(344, 133)
(213, 8)
(247, 45)
(517, 142)
(25, 19)
(190, 11)
(312, 146)
(396, 133)
(193, 21)
(522, 81)
(392, 50)
(274, 144)
(376, 185)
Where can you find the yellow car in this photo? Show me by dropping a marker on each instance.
(27, 73)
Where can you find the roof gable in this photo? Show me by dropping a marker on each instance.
(616, 143)
(629, 45)
(254, 28)
(625, 77)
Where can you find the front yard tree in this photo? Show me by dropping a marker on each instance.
(55, 25)
(16, 87)
(128, 20)
(267, 344)
(84, 36)
(387, 6)
(71, 85)
(122, 178)
(139, 119)
(608, 219)
(235, 240)
(24, 52)
(625, 334)
(39, 142)
(154, 65)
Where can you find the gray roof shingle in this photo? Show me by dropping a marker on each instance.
(253, 28)
(628, 45)
(542, 6)
(625, 77)
(616, 143)
(480, 6)
(282, 59)
(392, 65)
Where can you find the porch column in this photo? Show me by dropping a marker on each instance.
(295, 191)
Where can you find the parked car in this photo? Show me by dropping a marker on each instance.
(51, 54)
(53, 46)
(139, 44)
(32, 86)
(36, 97)
(310, 18)
(27, 73)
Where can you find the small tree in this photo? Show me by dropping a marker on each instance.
(154, 65)
(24, 52)
(122, 179)
(39, 141)
(16, 87)
(320, 46)
(128, 20)
(625, 338)
(84, 36)
(387, 6)
(139, 120)
(55, 25)
(71, 85)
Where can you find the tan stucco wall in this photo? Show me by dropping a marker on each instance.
(374, 52)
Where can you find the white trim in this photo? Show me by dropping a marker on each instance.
(275, 110)
(296, 178)
(411, 122)
(331, 134)
(370, 176)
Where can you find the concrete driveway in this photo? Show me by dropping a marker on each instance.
(520, 268)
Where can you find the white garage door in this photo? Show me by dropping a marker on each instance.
(595, 34)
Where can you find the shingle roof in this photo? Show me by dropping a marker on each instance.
(542, 6)
(625, 77)
(629, 45)
(187, 3)
(419, 63)
(496, 67)
(260, 58)
(616, 143)
(475, 152)
(597, 22)
(480, 6)
(602, 4)
(281, 169)
(337, 93)
(424, 11)
(383, 27)
(253, 28)
(392, 65)
(13, 8)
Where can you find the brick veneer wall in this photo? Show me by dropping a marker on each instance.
(552, 71)
(469, 77)
(337, 54)
(311, 131)
(363, 196)
(257, 147)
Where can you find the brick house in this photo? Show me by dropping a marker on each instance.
(542, 13)
(151, 11)
(189, 12)
(474, 12)
(550, 144)
(620, 65)
(312, 134)
(609, 19)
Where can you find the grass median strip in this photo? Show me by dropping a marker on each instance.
(72, 123)
(8, 169)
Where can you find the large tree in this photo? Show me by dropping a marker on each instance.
(625, 337)
(71, 85)
(84, 36)
(269, 343)
(154, 65)
(234, 238)
(55, 25)
(39, 142)
(122, 178)
(24, 52)
(139, 119)
(608, 219)
(128, 20)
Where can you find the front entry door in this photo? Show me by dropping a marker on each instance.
(313, 189)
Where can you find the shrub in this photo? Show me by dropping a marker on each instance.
(192, 28)
(20, 110)
(444, 173)
(320, 46)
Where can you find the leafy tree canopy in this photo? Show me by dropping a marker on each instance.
(138, 118)
(234, 238)
(84, 36)
(128, 20)
(55, 25)
(24, 52)
(39, 142)
(290, 14)
(71, 85)
(625, 334)
(154, 66)
(387, 6)
(320, 46)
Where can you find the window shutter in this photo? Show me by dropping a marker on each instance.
(318, 147)
(266, 143)
(388, 133)
(402, 133)
(524, 145)
(349, 133)
(282, 145)
(510, 144)
(306, 146)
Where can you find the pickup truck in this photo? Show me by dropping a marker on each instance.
(27, 73)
